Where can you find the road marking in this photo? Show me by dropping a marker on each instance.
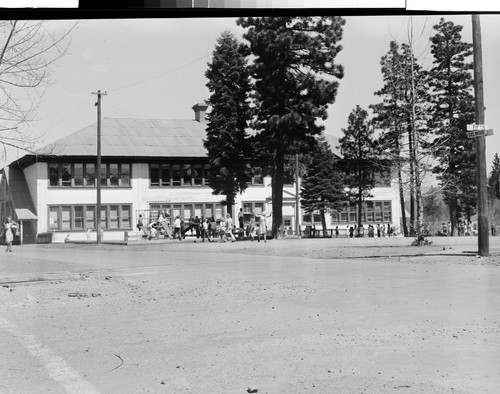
(57, 368)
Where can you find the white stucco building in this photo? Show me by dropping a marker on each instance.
(147, 165)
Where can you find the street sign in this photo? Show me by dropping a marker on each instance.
(479, 133)
(478, 130)
(473, 126)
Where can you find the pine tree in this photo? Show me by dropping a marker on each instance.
(323, 183)
(401, 117)
(451, 85)
(494, 191)
(359, 153)
(494, 178)
(227, 140)
(391, 115)
(295, 81)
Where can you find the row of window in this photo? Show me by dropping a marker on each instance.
(189, 210)
(118, 216)
(84, 174)
(372, 212)
(119, 174)
(171, 175)
(83, 217)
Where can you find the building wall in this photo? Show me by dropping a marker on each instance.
(139, 195)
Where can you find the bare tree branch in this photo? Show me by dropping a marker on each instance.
(28, 50)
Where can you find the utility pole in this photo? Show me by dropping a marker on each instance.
(98, 169)
(297, 199)
(482, 196)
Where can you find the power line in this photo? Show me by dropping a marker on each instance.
(158, 75)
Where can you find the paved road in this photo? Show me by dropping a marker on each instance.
(285, 317)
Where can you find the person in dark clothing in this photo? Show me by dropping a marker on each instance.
(241, 219)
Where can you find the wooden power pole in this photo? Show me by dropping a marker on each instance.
(98, 169)
(482, 196)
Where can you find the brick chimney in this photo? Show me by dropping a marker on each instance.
(199, 112)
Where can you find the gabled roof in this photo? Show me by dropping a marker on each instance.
(134, 138)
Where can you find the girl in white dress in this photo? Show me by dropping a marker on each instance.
(9, 227)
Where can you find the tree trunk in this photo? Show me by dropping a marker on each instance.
(402, 201)
(360, 198)
(277, 191)
(412, 181)
(323, 221)
(453, 214)
(418, 192)
(400, 181)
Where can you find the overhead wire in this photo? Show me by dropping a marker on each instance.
(158, 75)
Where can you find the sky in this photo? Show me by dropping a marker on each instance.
(155, 68)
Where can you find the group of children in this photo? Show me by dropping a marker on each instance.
(221, 230)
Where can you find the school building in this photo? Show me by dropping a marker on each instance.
(147, 165)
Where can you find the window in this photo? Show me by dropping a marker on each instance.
(125, 175)
(154, 174)
(126, 216)
(198, 210)
(54, 174)
(387, 211)
(90, 218)
(258, 208)
(176, 175)
(378, 211)
(113, 217)
(370, 218)
(186, 177)
(165, 175)
(317, 217)
(372, 212)
(218, 211)
(206, 170)
(353, 211)
(176, 211)
(66, 218)
(113, 175)
(209, 210)
(78, 217)
(84, 175)
(334, 217)
(187, 212)
(78, 174)
(186, 174)
(104, 216)
(90, 175)
(54, 218)
(66, 174)
(83, 217)
(197, 175)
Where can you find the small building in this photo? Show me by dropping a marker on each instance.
(147, 166)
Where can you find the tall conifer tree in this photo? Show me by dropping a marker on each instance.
(359, 152)
(296, 79)
(322, 187)
(451, 85)
(227, 142)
